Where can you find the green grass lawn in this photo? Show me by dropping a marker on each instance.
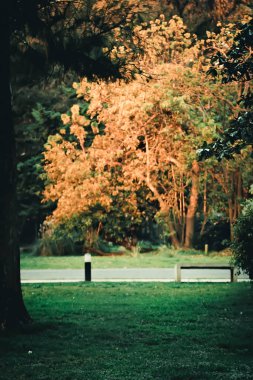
(122, 331)
(166, 259)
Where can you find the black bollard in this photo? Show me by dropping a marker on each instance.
(87, 267)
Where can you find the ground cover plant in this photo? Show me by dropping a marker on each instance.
(166, 258)
(124, 331)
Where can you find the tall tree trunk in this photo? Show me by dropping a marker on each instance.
(204, 205)
(193, 205)
(12, 309)
(231, 218)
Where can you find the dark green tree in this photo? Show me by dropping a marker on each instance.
(236, 65)
(242, 245)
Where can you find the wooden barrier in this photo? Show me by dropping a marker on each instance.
(178, 267)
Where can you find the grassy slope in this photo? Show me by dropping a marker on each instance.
(145, 260)
(133, 331)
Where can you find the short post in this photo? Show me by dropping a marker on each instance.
(87, 267)
(233, 274)
(178, 273)
(206, 248)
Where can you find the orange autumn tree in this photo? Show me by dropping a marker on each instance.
(153, 125)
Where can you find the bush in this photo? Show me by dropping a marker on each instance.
(64, 239)
(48, 246)
(242, 247)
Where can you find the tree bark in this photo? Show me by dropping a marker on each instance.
(12, 310)
(193, 205)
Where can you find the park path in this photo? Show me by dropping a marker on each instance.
(127, 274)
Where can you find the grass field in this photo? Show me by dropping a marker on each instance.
(165, 259)
(133, 331)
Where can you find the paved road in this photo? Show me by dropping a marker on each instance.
(140, 274)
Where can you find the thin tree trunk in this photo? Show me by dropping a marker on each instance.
(204, 205)
(231, 218)
(234, 200)
(12, 309)
(239, 190)
(183, 214)
(193, 205)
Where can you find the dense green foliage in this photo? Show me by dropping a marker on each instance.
(242, 245)
(236, 65)
(113, 331)
(36, 111)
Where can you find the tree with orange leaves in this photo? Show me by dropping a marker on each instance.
(153, 126)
